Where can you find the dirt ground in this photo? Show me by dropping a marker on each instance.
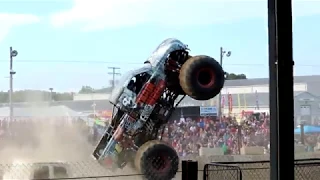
(48, 143)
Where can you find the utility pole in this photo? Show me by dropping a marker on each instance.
(114, 73)
(228, 54)
(51, 95)
(13, 53)
(94, 109)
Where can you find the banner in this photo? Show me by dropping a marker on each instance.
(105, 114)
(222, 101)
(100, 122)
(208, 111)
(230, 103)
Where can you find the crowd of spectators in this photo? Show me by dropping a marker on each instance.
(187, 135)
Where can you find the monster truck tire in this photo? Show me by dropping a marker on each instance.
(201, 77)
(157, 161)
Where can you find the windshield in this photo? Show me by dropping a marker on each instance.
(119, 87)
(165, 47)
(124, 81)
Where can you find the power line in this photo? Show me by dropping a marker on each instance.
(127, 62)
(68, 61)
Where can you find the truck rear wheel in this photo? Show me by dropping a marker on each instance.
(201, 77)
(157, 161)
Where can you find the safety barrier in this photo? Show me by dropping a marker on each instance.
(305, 169)
(223, 167)
(75, 170)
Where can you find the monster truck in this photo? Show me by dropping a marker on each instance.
(143, 101)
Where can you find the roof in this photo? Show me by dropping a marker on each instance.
(260, 81)
(86, 106)
(72, 108)
(104, 90)
(39, 111)
(247, 82)
(81, 106)
(76, 106)
(313, 85)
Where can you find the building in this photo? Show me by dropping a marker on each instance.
(253, 95)
(246, 95)
(89, 97)
(307, 108)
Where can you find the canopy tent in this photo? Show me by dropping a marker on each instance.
(308, 129)
(100, 122)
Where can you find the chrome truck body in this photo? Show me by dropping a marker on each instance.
(155, 63)
(144, 100)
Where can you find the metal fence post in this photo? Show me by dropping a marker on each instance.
(189, 170)
(302, 133)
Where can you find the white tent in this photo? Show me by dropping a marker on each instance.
(53, 111)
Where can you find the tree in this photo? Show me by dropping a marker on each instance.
(35, 96)
(86, 90)
(233, 76)
(62, 96)
(4, 96)
(45, 96)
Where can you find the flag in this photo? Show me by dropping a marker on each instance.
(222, 101)
(239, 101)
(99, 122)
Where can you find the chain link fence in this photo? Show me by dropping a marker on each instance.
(68, 170)
(305, 169)
(221, 171)
(154, 170)
(308, 169)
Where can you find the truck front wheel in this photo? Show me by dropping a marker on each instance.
(157, 161)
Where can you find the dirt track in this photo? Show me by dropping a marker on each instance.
(53, 144)
(65, 144)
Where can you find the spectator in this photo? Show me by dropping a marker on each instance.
(188, 134)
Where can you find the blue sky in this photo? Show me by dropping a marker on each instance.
(65, 44)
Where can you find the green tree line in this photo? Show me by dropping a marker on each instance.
(35, 96)
(233, 76)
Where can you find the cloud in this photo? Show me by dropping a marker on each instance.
(100, 14)
(11, 20)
